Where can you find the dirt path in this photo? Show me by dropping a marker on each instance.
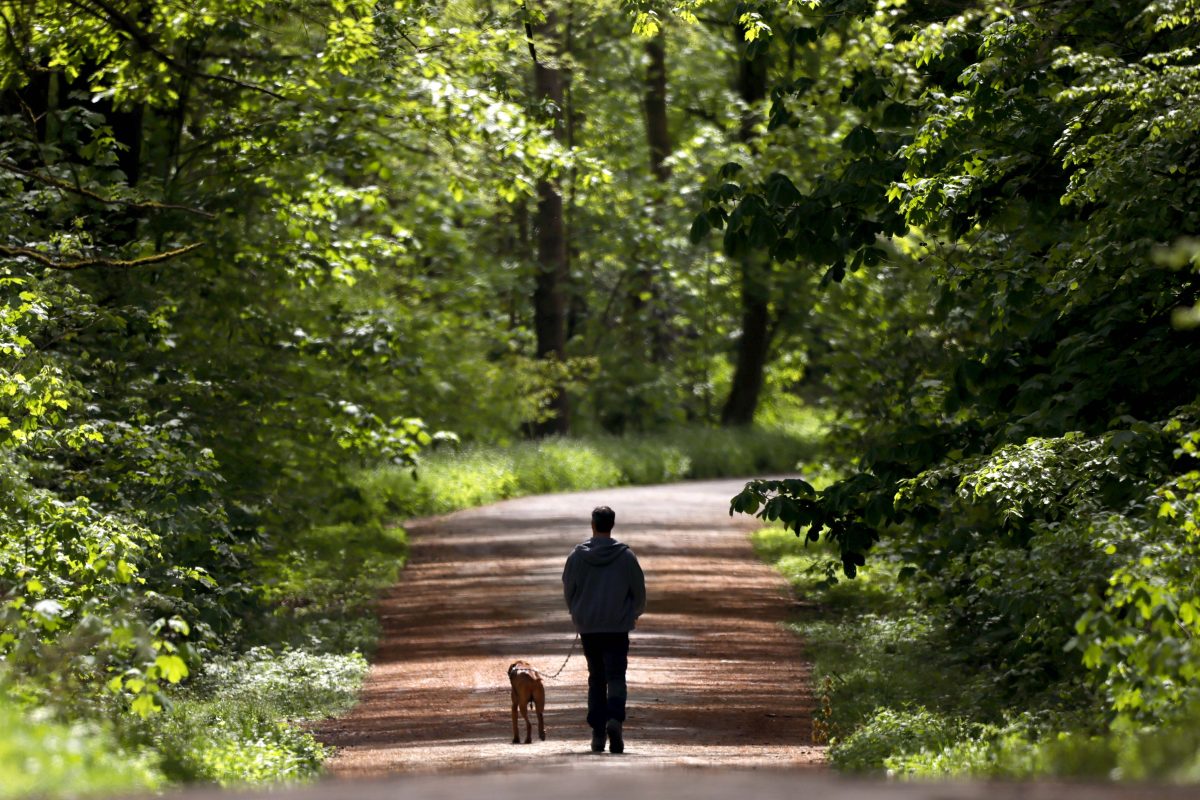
(713, 678)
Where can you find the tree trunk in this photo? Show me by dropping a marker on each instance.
(127, 129)
(751, 87)
(549, 294)
(651, 321)
(577, 302)
(658, 132)
(753, 344)
(755, 340)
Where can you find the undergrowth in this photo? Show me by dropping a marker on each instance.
(242, 717)
(42, 756)
(898, 695)
(241, 721)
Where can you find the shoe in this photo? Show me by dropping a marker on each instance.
(598, 741)
(616, 744)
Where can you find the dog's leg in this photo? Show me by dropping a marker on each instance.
(516, 730)
(528, 724)
(539, 699)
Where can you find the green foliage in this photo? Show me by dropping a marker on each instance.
(318, 588)
(41, 756)
(900, 691)
(1016, 751)
(257, 256)
(291, 684)
(1137, 635)
(872, 644)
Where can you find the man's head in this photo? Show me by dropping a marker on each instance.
(603, 519)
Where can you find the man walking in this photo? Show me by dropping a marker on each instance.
(606, 593)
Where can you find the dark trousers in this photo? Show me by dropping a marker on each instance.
(607, 657)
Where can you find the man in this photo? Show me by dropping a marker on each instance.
(606, 593)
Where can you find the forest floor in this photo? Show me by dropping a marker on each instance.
(714, 678)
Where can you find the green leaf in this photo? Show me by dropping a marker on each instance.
(172, 667)
(144, 706)
(860, 140)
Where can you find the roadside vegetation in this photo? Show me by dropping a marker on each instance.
(902, 689)
(474, 475)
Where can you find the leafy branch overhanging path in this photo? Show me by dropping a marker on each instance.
(714, 679)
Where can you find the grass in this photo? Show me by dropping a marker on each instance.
(321, 586)
(471, 476)
(243, 720)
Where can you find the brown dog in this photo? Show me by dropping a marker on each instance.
(527, 690)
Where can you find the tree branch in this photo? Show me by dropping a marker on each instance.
(47, 261)
(57, 184)
(529, 33)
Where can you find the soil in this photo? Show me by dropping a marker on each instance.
(715, 679)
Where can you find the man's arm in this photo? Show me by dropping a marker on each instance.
(568, 579)
(637, 586)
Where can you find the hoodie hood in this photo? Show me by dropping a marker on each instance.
(600, 552)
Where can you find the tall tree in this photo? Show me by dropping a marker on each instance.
(755, 270)
(550, 284)
(643, 288)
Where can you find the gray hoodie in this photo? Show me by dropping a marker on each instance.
(604, 586)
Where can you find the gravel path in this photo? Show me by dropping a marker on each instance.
(714, 680)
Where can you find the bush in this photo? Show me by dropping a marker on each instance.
(318, 588)
(233, 743)
(889, 680)
(1033, 745)
(294, 684)
(1011, 751)
(557, 465)
(899, 691)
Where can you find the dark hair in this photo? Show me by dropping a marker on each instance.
(603, 519)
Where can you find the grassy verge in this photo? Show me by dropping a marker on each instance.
(240, 722)
(897, 696)
(472, 476)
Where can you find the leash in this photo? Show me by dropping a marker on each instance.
(568, 658)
